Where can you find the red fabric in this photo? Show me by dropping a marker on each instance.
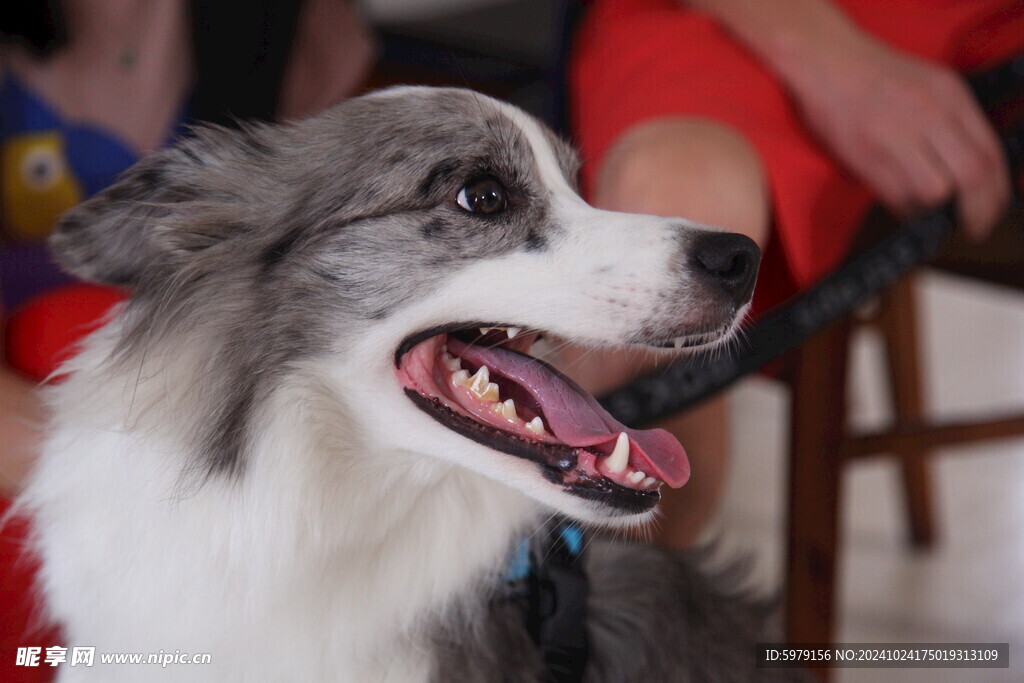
(643, 59)
(20, 624)
(40, 336)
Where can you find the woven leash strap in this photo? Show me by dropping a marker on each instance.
(700, 376)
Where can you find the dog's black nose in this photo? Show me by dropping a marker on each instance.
(728, 261)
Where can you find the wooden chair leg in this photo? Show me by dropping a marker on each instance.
(899, 323)
(818, 423)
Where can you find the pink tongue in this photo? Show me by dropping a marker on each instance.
(576, 418)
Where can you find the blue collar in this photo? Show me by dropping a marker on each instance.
(520, 564)
(546, 576)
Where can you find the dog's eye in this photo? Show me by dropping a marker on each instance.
(483, 195)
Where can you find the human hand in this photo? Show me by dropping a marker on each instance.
(910, 130)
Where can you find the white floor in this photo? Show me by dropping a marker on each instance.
(971, 587)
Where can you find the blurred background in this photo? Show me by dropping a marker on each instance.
(965, 584)
(969, 585)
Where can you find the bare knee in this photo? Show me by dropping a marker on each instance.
(692, 168)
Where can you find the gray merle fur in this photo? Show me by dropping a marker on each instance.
(208, 234)
(267, 245)
(639, 596)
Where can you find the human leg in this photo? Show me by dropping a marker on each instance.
(705, 172)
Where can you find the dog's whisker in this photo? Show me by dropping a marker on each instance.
(278, 436)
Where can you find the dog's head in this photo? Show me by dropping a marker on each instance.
(411, 245)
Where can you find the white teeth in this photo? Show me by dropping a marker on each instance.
(480, 380)
(511, 331)
(461, 378)
(536, 425)
(508, 409)
(678, 342)
(636, 477)
(482, 386)
(649, 483)
(451, 362)
(619, 459)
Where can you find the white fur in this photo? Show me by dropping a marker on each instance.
(318, 565)
(357, 518)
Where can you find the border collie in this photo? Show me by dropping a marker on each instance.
(311, 441)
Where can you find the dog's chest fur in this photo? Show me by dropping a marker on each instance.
(233, 468)
(341, 584)
(393, 576)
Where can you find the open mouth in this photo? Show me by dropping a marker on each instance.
(481, 382)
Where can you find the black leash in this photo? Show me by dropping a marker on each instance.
(546, 573)
(546, 577)
(698, 377)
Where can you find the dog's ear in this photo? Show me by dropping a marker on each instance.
(174, 203)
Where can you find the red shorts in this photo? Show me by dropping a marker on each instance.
(638, 60)
(39, 336)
